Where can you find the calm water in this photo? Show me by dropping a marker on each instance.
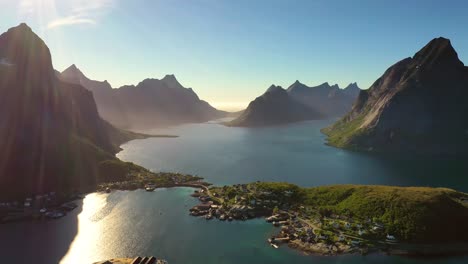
(294, 153)
(140, 223)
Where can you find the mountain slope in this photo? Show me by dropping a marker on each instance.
(274, 107)
(151, 103)
(50, 132)
(419, 105)
(330, 101)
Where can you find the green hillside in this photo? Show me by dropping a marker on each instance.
(418, 214)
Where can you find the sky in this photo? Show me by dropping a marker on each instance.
(230, 52)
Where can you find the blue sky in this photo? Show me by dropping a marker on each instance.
(231, 51)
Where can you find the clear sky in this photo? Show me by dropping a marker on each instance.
(231, 51)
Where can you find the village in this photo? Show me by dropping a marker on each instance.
(150, 181)
(38, 207)
(53, 205)
(302, 227)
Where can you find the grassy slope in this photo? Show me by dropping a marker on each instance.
(418, 214)
(341, 133)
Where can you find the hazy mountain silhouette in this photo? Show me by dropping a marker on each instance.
(330, 101)
(150, 104)
(275, 106)
(298, 103)
(420, 104)
(51, 135)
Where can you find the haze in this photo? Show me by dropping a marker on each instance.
(231, 51)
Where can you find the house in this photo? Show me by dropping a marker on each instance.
(27, 202)
(341, 238)
(355, 242)
(378, 227)
(348, 225)
(335, 225)
(361, 232)
(323, 237)
(391, 237)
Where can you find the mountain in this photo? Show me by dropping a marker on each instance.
(274, 107)
(329, 100)
(419, 105)
(51, 135)
(150, 104)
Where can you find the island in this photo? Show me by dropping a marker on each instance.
(343, 219)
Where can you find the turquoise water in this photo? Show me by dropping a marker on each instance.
(129, 223)
(295, 153)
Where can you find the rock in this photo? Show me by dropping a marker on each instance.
(419, 105)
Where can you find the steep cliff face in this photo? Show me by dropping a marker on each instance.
(420, 104)
(329, 100)
(274, 107)
(150, 104)
(51, 135)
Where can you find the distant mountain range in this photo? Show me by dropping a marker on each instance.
(330, 101)
(419, 105)
(151, 103)
(298, 103)
(51, 135)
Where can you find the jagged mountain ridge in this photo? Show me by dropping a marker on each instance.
(298, 103)
(329, 100)
(149, 104)
(274, 107)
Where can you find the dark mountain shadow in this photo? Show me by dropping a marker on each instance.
(39, 242)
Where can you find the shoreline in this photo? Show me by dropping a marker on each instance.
(56, 205)
(314, 235)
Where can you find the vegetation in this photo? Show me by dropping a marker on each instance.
(415, 214)
(112, 170)
(341, 133)
(116, 174)
(410, 213)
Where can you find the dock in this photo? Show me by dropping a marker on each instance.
(136, 260)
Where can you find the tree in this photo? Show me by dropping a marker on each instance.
(275, 210)
(112, 170)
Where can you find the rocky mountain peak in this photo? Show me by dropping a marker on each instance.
(439, 52)
(274, 89)
(171, 81)
(73, 71)
(20, 46)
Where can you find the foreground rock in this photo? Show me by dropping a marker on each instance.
(419, 105)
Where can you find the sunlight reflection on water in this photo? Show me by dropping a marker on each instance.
(89, 232)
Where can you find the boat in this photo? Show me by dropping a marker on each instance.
(274, 245)
(209, 217)
(230, 218)
(222, 217)
(150, 188)
(108, 190)
(54, 214)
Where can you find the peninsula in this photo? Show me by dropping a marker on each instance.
(342, 219)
